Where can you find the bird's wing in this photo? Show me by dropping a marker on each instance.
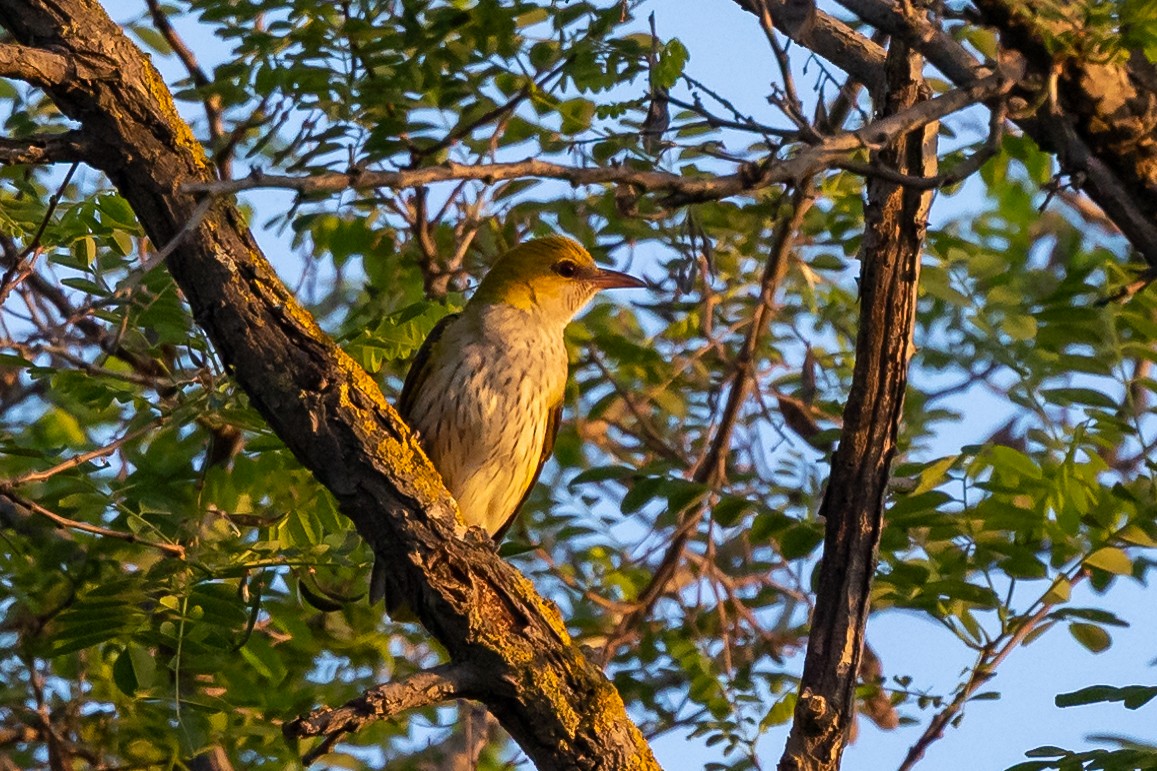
(420, 367)
(553, 420)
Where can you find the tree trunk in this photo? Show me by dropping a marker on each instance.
(853, 505)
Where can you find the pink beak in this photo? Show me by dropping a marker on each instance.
(613, 279)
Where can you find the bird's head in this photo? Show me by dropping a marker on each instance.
(552, 276)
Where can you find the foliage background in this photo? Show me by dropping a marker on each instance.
(265, 619)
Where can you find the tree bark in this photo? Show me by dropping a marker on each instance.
(558, 706)
(853, 504)
(1097, 112)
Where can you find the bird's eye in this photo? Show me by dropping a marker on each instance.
(566, 268)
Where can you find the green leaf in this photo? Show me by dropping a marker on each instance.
(781, 712)
(800, 540)
(1007, 459)
(1093, 637)
(1133, 696)
(264, 659)
(1112, 560)
(576, 115)
(1086, 397)
(672, 59)
(642, 492)
(730, 508)
(933, 474)
(602, 474)
(1059, 592)
(135, 669)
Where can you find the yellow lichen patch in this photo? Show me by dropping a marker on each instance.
(547, 682)
(547, 610)
(162, 99)
(403, 459)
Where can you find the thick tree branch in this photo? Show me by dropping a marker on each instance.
(558, 706)
(679, 190)
(853, 504)
(211, 102)
(1121, 176)
(69, 147)
(938, 47)
(40, 68)
(421, 689)
(826, 35)
(1100, 126)
(47, 69)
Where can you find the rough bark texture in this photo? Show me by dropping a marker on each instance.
(1097, 112)
(853, 503)
(559, 707)
(1098, 115)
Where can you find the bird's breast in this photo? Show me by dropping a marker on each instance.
(484, 408)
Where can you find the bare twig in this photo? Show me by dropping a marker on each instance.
(53, 202)
(680, 190)
(984, 670)
(32, 477)
(710, 469)
(421, 689)
(172, 549)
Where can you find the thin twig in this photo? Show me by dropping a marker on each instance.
(983, 671)
(173, 549)
(679, 189)
(53, 202)
(710, 469)
(33, 477)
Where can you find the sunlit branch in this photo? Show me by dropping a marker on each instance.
(984, 670)
(421, 689)
(678, 190)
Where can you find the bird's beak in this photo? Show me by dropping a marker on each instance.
(613, 279)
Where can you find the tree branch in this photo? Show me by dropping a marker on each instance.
(13, 502)
(710, 469)
(896, 218)
(211, 102)
(940, 48)
(69, 147)
(421, 689)
(1109, 172)
(1099, 126)
(983, 671)
(825, 35)
(679, 190)
(45, 69)
(32, 65)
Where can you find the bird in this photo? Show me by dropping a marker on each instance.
(485, 391)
